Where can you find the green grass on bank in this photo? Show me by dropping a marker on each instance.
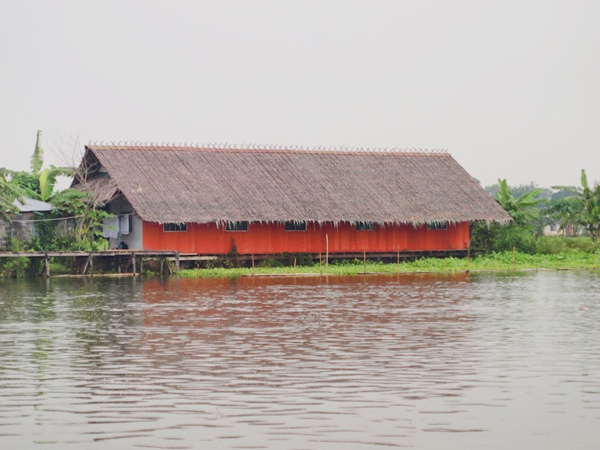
(506, 261)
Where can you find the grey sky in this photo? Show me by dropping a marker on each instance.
(510, 88)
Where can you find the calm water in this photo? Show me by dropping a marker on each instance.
(483, 361)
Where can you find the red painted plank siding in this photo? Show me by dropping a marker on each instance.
(272, 238)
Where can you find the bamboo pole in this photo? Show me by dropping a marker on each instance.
(469, 260)
(326, 251)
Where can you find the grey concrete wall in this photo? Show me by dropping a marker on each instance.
(20, 228)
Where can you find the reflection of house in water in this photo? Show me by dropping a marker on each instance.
(211, 201)
(306, 308)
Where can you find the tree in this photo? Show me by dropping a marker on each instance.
(520, 233)
(87, 214)
(587, 203)
(522, 209)
(9, 192)
(39, 183)
(567, 212)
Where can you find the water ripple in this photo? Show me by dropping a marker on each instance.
(483, 361)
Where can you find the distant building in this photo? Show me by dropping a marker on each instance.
(207, 200)
(554, 229)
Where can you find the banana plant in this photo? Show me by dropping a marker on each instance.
(9, 192)
(39, 183)
(522, 209)
(589, 203)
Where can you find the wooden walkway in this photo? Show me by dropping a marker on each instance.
(134, 259)
(122, 258)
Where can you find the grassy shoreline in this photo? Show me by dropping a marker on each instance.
(500, 262)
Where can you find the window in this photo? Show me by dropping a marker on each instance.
(365, 226)
(437, 226)
(169, 227)
(295, 226)
(237, 226)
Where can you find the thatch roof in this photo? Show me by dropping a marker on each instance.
(208, 184)
(102, 189)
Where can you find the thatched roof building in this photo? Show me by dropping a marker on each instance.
(167, 184)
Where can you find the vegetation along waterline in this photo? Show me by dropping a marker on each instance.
(504, 261)
(527, 231)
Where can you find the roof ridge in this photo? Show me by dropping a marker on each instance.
(265, 148)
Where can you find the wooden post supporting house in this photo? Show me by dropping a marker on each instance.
(47, 264)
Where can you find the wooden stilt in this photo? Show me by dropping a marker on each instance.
(133, 264)
(87, 263)
(47, 264)
(177, 262)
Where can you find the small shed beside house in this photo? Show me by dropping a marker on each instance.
(209, 200)
(22, 226)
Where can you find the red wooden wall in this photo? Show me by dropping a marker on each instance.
(272, 238)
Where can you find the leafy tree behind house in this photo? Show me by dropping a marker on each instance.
(9, 192)
(87, 217)
(582, 206)
(521, 233)
(39, 182)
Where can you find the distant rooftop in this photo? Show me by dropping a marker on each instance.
(32, 205)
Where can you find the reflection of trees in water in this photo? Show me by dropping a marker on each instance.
(77, 318)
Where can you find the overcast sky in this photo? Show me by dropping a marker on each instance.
(510, 88)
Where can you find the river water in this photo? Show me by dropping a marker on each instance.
(494, 361)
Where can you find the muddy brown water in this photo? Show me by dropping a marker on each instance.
(494, 361)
